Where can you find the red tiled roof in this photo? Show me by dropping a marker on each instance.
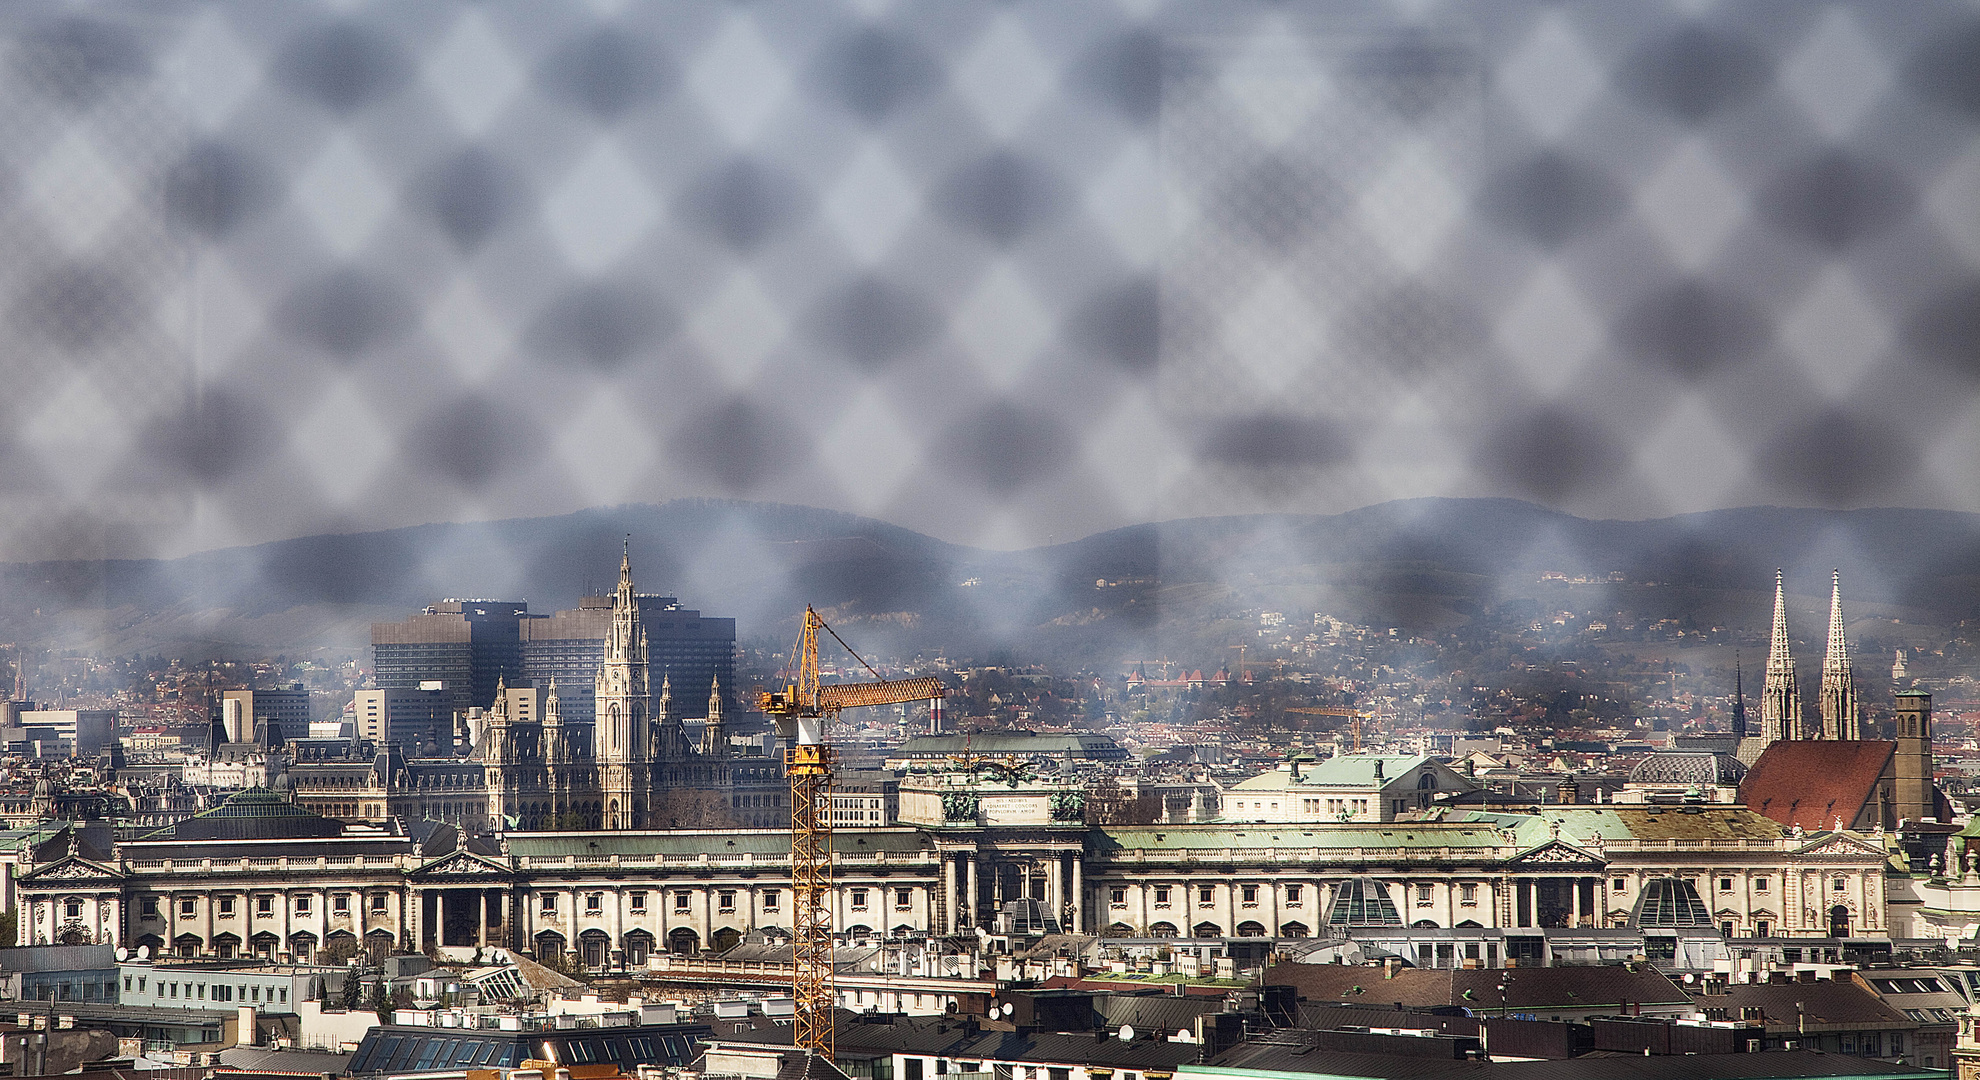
(1812, 783)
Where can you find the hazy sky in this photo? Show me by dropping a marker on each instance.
(1003, 273)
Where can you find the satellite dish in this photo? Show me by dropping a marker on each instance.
(123, 954)
(144, 952)
(1009, 1008)
(1126, 1034)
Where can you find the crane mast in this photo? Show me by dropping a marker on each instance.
(802, 710)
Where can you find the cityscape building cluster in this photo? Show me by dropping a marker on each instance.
(440, 855)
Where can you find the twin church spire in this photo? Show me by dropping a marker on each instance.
(1840, 715)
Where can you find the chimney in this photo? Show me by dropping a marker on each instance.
(1570, 792)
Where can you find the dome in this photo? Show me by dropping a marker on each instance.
(1688, 769)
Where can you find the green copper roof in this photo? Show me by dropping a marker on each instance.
(253, 814)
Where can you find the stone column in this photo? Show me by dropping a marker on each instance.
(480, 918)
(1079, 892)
(618, 930)
(969, 897)
(1055, 891)
(951, 906)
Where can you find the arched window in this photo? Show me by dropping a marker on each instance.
(1163, 930)
(1427, 781)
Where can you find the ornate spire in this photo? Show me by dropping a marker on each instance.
(1739, 699)
(714, 740)
(1780, 700)
(1841, 716)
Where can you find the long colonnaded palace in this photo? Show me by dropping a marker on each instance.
(1808, 852)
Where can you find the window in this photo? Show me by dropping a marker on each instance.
(1725, 884)
(1759, 884)
(1423, 896)
(1468, 894)
(682, 899)
(264, 905)
(1295, 895)
(1206, 895)
(548, 906)
(1117, 896)
(1161, 896)
(770, 898)
(380, 903)
(594, 903)
(1249, 894)
(638, 900)
(226, 907)
(1761, 927)
(148, 907)
(340, 903)
(859, 899)
(72, 909)
(725, 900)
(1619, 885)
(903, 899)
(1840, 884)
(188, 908)
(1726, 929)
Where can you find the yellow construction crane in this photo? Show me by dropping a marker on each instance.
(801, 710)
(1355, 717)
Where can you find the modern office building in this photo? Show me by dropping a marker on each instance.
(415, 719)
(467, 646)
(270, 717)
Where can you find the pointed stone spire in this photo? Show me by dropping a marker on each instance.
(714, 739)
(1841, 716)
(1780, 699)
(1739, 699)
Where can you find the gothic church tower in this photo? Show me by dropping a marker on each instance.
(1780, 698)
(1842, 718)
(621, 729)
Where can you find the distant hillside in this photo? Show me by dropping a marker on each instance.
(1417, 562)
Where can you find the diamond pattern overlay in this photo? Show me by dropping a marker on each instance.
(996, 271)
